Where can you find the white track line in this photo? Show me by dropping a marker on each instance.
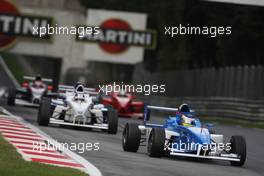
(12, 128)
(17, 132)
(17, 141)
(19, 136)
(40, 150)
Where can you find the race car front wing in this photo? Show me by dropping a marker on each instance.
(62, 122)
(225, 157)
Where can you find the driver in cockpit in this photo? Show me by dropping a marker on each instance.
(79, 93)
(183, 117)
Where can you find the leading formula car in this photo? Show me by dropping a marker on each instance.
(182, 135)
(125, 104)
(77, 106)
(31, 92)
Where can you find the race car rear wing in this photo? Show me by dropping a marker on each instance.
(65, 88)
(147, 112)
(32, 78)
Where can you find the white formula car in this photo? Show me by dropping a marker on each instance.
(77, 106)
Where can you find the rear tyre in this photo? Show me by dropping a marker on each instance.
(156, 142)
(11, 97)
(239, 147)
(45, 111)
(131, 137)
(112, 119)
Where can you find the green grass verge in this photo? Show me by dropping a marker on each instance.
(233, 122)
(13, 66)
(12, 164)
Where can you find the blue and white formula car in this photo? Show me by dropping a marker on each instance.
(182, 135)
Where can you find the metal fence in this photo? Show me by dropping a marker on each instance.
(230, 92)
(241, 82)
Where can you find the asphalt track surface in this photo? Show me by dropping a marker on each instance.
(113, 161)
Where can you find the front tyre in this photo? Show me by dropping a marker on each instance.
(239, 147)
(11, 97)
(131, 137)
(112, 120)
(156, 142)
(44, 112)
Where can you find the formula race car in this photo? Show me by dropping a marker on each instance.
(31, 92)
(77, 106)
(125, 104)
(182, 135)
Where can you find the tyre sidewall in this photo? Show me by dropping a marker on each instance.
(112, 120)
(44, 112)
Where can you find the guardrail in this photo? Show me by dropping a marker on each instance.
(224, 107)
(7, 79)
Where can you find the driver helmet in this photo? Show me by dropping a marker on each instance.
(79, 92)
(38, 82)
(78, 84)
(38, 78)
(122, 93)
(187, 117)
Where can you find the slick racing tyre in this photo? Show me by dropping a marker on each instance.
(238, 146)
(156, 142)
(44, 112)
(11, 97)
(131, 137)
(112, 120)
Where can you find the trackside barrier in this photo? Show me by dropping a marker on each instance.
(241, 82)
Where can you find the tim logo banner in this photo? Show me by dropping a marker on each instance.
(122, 38)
